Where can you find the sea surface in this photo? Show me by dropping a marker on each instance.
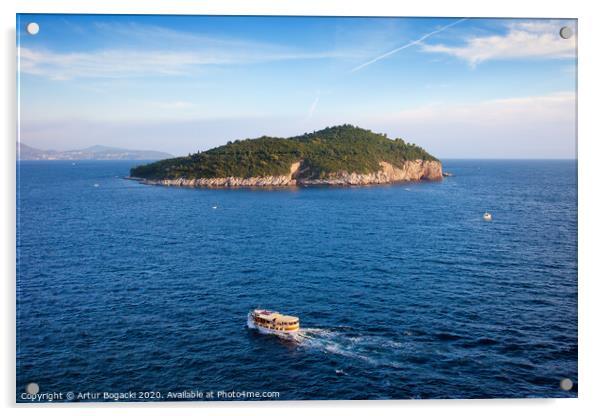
(403, 291)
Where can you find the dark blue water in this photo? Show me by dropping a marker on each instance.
(403, 291)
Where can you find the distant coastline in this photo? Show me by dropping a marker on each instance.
(25, 152)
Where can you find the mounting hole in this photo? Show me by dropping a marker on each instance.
(33, 28)
(566, 384)
(32, 388)
(566, 32)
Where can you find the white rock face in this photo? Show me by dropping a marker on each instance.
(413, 170)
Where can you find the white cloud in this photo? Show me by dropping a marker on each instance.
(117, 63)
(556, 106)
(109, 63)
(172, 105)
(521, 127)
(523, 40)
(150, 50)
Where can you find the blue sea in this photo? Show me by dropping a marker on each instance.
(403, 291)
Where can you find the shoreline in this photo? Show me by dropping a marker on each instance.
(411, 171)
(289, 186)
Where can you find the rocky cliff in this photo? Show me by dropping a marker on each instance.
(413, 170)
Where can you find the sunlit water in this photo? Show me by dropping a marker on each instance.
(403, 291)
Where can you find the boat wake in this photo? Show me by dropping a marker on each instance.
(372, 349)
(335, 342)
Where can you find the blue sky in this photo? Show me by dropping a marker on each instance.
(496, 88)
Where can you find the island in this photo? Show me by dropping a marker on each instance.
(341, 155)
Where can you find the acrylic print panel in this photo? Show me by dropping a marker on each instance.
(295, 208)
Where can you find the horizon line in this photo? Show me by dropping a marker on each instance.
(178, 156)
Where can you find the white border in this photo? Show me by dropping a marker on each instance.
(589, 195)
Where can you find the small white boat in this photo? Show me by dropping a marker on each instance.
(487, 216)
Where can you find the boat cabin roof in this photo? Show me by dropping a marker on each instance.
(274, 316)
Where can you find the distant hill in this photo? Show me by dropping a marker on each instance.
(90, 153)
(329, 156)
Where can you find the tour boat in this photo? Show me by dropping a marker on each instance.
(487, 216)
(272, 322)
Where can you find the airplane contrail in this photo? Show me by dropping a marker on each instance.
(407, 45)
(313, 106)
